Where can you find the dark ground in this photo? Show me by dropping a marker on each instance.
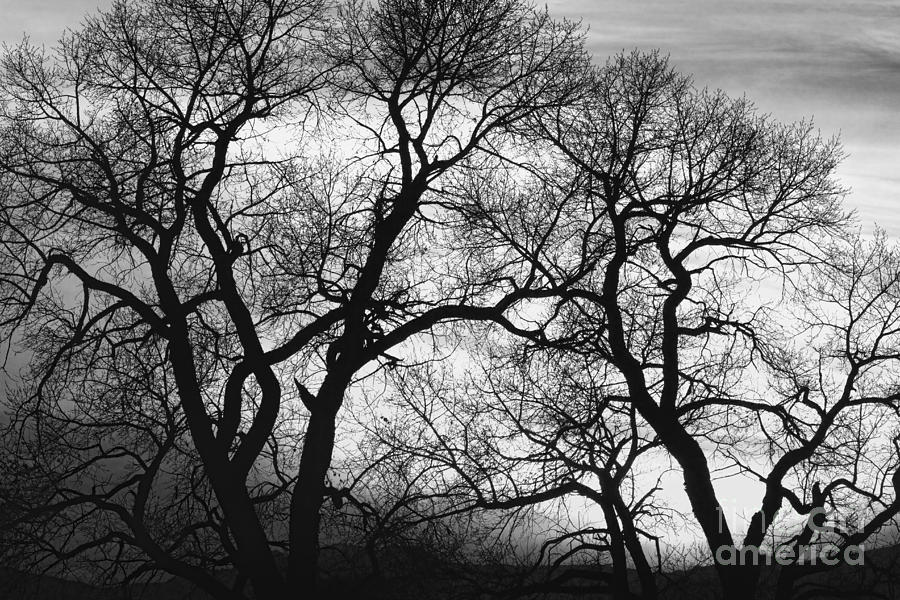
(879, 578)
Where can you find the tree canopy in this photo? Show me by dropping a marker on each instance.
(289, 274)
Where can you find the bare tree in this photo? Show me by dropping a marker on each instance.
(560, 428)
(533, 447)
(208, 200)
(839, 446)
(700, 201)
(227, 222)
(707, 204)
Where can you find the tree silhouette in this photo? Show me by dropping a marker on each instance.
(208, 200)
(421, 259)
(701, 202)
(534, 430)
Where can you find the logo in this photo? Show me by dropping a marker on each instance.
(822, 552)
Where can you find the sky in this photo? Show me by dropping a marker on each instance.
(836, 61)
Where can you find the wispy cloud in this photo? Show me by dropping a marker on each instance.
(833, 60)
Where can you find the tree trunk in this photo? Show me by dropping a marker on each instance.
(633, 543)
(619, 585)
(738, 582)
(306, 503)
(254, 556)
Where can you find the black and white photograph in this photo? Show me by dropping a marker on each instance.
(449, 300)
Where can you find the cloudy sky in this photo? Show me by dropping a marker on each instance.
(837, 61)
